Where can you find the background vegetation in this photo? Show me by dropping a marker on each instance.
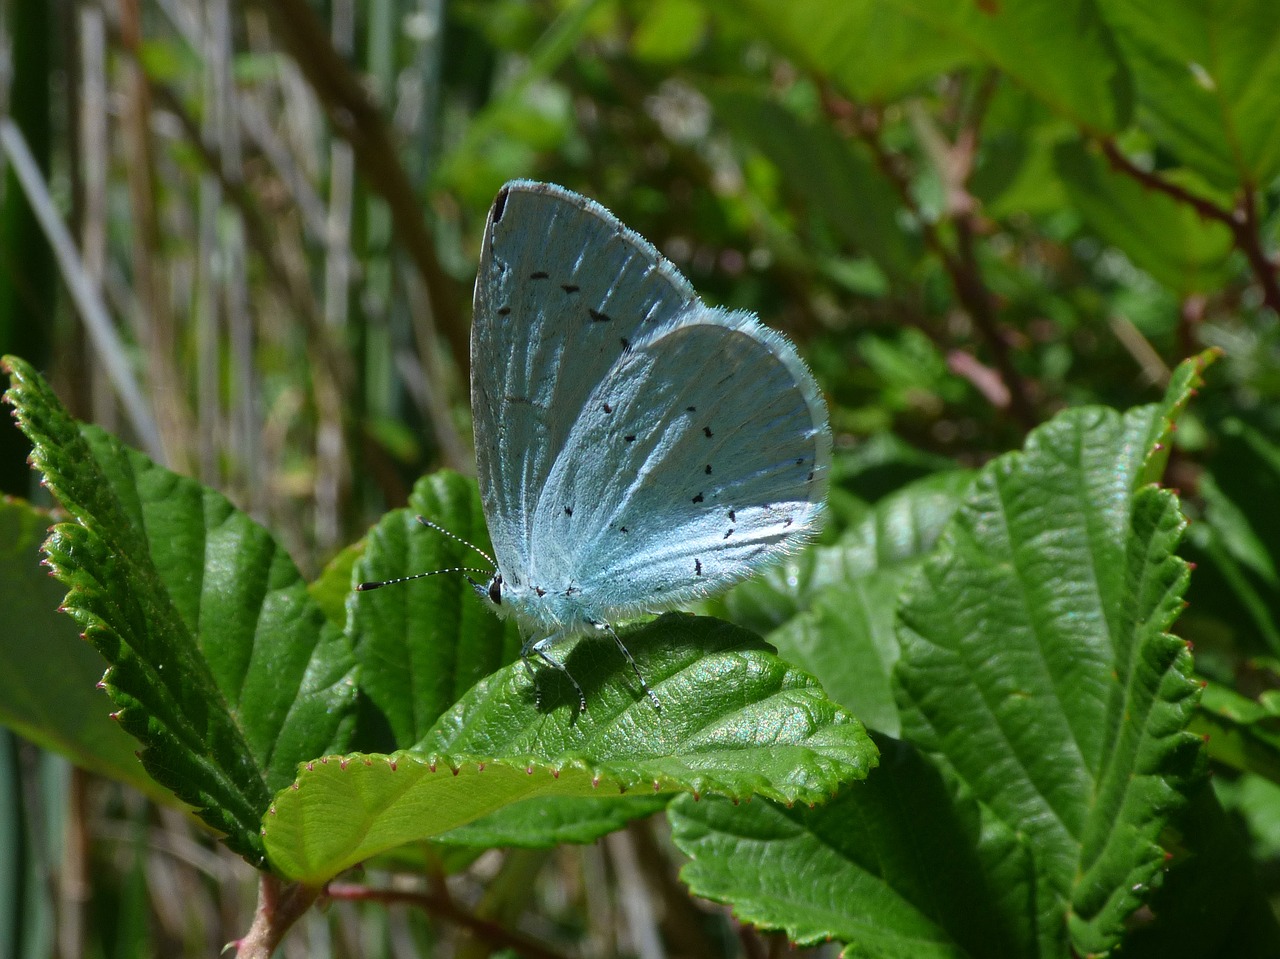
(242, 237)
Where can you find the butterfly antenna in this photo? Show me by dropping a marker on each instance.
(379, 583)
(458, 539)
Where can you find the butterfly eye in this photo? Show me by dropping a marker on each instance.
(495, 590)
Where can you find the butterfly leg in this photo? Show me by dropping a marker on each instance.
(536, 647)
(630, 659)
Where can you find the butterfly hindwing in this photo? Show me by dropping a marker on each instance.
(702, 455)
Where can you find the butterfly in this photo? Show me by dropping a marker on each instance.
(636, 449)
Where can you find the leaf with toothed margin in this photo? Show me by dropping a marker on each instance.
(735, 721)
(48, 674)
(1036, 662)
(1022, 813)
(220, 663)
(905, 864)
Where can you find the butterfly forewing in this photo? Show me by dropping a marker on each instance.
(561, 284)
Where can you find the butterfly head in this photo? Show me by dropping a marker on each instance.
(505, 598)
(491, 592)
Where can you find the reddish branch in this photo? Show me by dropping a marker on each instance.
(1242, 221)
(961, 265)
(281, 904)
(439, 904)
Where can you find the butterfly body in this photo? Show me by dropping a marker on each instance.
(637, 449)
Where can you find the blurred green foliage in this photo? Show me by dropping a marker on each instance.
(970, 217)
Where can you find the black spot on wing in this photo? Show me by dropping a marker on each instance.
(706, 431)
(598, 317)
(570, 287)
(539, 275)
(698, 498)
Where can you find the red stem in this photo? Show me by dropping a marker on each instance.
(280, 905)
(962, 267)
(1242, 221)
(441, 905)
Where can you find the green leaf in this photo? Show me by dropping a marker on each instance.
(878, 50)
(1036, 662)
(735, 720)
(1183, 385)
(901, 865)
(835, 180)
(846, 639)
(1168, 239)
(1239, 582)
(48, 674)
(1015, 172)
(421, 645)
(871, 51)
(219, 661)
(1239, 731)
(1205, 73)
(542, 823)
(283, 668)
(331, 590)
(669, 30)
(845, 636)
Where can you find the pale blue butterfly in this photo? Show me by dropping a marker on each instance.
(637, 450)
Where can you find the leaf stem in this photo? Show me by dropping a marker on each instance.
(280, 905)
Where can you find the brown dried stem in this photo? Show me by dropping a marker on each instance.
(358, 120)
